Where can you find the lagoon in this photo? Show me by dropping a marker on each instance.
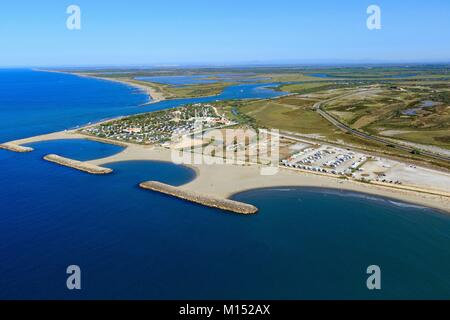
(36, 102)
(180, 81)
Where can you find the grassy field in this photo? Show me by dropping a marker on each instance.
(439, 138)
(288, 114)
(294, 114)
(398, 112)
(200, 90)
(312, 87)
(383, 111)
(168, 91)
(189, 91)
(297, 79)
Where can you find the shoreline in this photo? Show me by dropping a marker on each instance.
(202, 199)
(78, 165)
(155, 96)
(15, 147)
(227, 180)
(152, 95)
(349, 193)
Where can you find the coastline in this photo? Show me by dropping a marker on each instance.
(153, 95)
(202, 199)
(226, 180)
(79, 165)
(345, 193)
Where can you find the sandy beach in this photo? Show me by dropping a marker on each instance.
(225, 180)
(154, 95)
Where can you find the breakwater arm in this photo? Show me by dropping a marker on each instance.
(15, 147)
(79, 165)
(206, 200)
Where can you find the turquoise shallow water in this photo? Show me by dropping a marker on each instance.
(132, 243)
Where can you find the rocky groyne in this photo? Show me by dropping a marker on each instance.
(206, 200)
(15, 147)
(79, 165)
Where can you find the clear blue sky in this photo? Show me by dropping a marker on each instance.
(132, 32)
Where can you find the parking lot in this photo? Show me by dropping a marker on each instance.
(327, 159)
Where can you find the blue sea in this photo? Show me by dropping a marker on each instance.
(134, 244)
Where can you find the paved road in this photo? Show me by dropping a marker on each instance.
(344, 127)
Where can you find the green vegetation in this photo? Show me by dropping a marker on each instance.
(392, 102)
(160, 126)
(413, 114)
(189, 91)
(288, 114)
(295, 114)
(312, 87)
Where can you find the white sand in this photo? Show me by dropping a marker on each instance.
(226, 180)
(153, 94)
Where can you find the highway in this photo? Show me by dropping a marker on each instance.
(318, 108)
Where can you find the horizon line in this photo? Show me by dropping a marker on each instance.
(236, 64)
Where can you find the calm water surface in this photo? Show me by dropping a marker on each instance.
(133, 243)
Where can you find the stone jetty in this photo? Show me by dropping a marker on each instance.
(79, 165)
(15, 147)
(206, 200)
